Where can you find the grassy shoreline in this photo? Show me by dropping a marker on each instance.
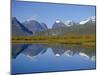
(83, 40)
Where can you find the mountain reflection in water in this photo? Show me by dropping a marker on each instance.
(69, 58)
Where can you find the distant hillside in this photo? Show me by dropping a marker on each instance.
(35, 26)
(88, 28)
(19, 29)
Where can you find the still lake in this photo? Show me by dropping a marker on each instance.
(33, 58)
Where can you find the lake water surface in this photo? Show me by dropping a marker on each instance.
(33, 58)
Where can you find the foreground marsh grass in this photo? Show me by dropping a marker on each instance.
(83, 40)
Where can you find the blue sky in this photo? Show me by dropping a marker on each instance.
(48, 13)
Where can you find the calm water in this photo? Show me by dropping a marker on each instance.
(32, 58)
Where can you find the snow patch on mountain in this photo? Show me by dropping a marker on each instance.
(92, 19)
(58, 21)
(70, 23)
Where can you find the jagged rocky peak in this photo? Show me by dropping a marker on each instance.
(31, 22)
(18, 28)
(14, 20)
(58, 23)
(44, 26)
(70, 23)
(33, 25)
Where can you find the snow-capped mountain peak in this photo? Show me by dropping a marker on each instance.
(84, 21)
(87, 20)
(58, 21)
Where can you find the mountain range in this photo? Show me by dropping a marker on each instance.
(33, 27)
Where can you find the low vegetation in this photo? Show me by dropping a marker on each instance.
(83, 40)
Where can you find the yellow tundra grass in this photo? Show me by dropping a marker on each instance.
(84, 40)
